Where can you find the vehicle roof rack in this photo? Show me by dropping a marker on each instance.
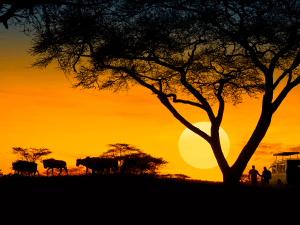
(286, 153)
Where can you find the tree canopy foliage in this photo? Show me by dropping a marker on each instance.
(133, 160)
(21, 13)
(120, 150)
(202, 53)
(30, 154)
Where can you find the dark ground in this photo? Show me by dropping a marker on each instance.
(142, 200)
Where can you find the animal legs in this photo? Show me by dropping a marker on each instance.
(60, 170)
(66, 171)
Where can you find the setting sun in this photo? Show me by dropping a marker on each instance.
(196, 151)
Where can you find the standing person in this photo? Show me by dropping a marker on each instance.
(253, 175)
(266, 176)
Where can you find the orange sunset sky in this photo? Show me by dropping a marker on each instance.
(39, 108)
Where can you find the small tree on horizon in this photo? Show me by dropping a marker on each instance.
(181, 176)
(119, 150)
(30, 154)
(143, 162)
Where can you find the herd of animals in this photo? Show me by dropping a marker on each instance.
(96, 164)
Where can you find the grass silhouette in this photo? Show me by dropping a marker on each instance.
(138, 199)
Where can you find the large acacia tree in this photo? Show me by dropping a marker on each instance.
(202, 53)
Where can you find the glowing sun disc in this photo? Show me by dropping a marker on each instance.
(196, 151)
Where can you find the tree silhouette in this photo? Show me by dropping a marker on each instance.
(181, 176)
(22, 13)
(30, 154)
(133, 160)
(141, 163)
(197, 53)
(120, 149)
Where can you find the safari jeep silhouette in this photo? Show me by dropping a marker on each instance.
(285, 170)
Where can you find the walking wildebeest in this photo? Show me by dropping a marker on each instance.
(90, 163)
(129, 165)
(111, 165)
(98, 165)
(53, 163)
(24, 166)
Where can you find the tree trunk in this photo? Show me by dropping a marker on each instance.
(233, 176)
(234, 173)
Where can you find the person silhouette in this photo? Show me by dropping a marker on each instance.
(253, 175)
(266, 176)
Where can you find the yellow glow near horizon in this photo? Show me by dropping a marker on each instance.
(196, 151)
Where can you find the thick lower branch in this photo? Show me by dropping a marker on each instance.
(197, 95)
(175, 100)
(164, 100)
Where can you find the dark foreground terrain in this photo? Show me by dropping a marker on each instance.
(142, 200)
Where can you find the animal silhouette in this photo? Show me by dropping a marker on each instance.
(90, 163)
(129, 165)
(53, 163)
(24, 166)
(99, 165)
(110, 165)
